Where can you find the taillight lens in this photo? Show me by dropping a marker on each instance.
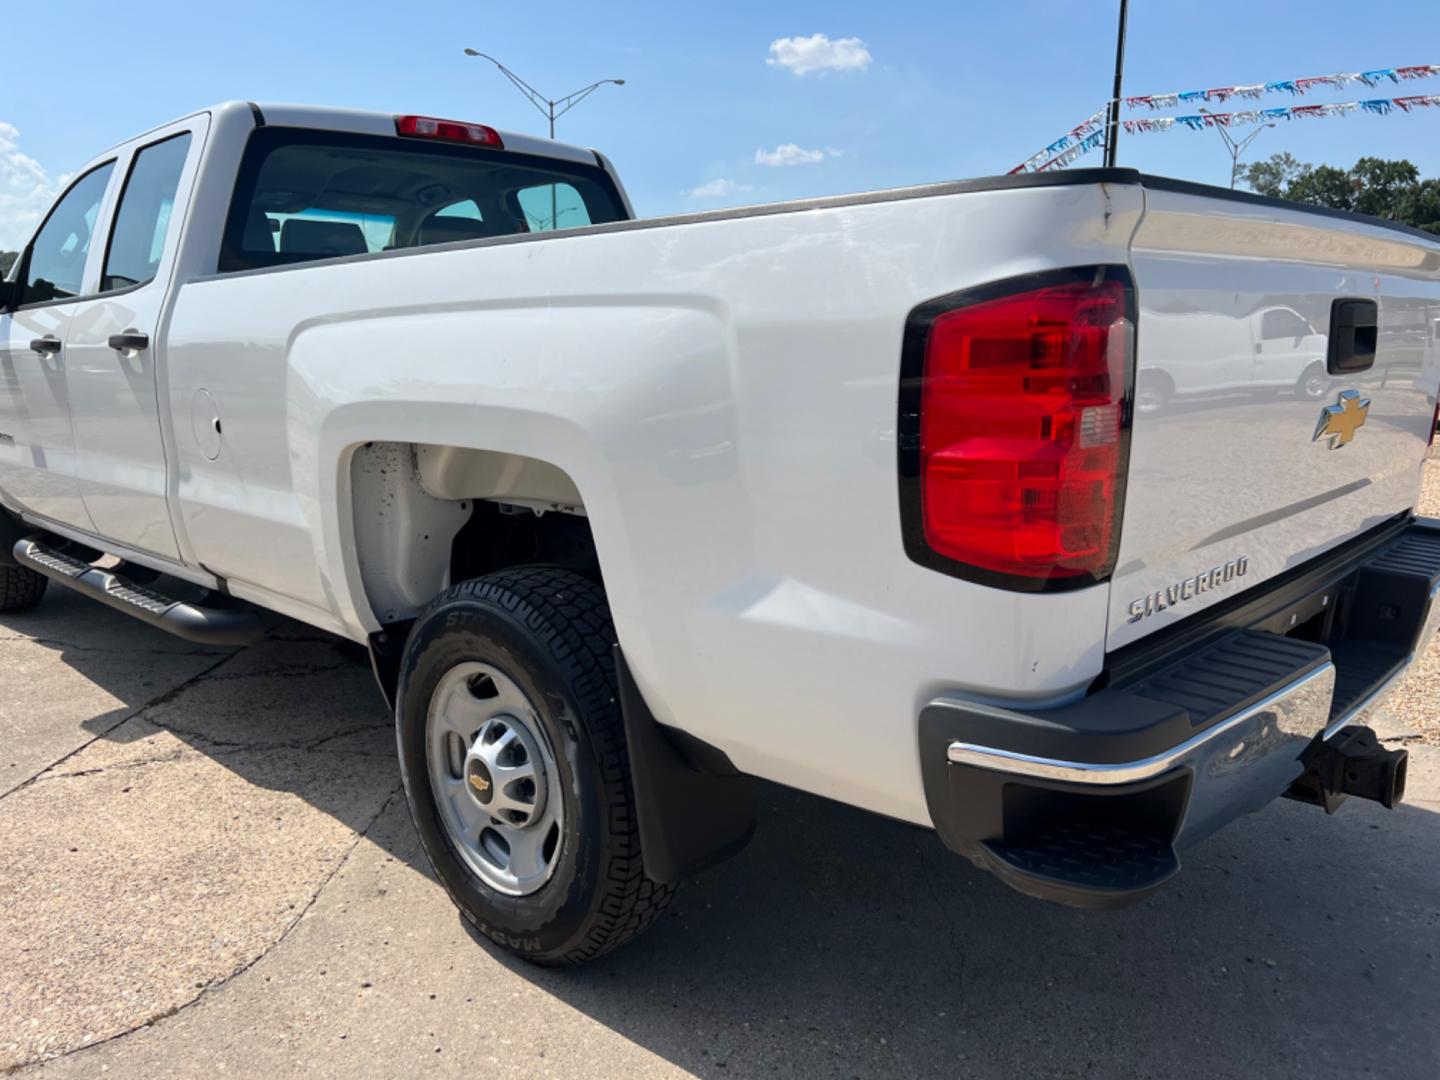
(429, 127)
(1022, 430)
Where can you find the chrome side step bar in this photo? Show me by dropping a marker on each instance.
(204, 625)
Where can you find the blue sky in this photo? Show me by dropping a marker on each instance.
(949, 89)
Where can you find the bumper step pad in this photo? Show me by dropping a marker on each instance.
(1084, 865)
(194, 622)
(1390, 622)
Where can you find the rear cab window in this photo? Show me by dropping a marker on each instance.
(304, 194)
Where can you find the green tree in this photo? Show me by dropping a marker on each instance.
(1420, 206)
(1324, 185)
(1380, 187)
(1273, 175)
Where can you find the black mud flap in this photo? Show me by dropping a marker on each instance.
(387, 648)
(12, 530)
(695, 809)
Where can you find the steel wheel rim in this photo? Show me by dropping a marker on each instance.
(494, 778)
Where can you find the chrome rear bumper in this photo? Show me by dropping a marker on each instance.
(1185, 743)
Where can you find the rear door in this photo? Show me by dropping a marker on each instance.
(57, 269)
(1230, 487)
(115, 346)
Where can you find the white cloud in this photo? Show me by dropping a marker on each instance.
(718, 189)
(818, 53)
(26, 190)
(790, 154)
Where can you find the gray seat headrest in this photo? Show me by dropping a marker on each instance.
(301, 236)
(442, 230)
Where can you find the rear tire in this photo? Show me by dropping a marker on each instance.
(21, 588)
(526, 658)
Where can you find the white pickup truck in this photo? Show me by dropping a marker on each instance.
(849, 494)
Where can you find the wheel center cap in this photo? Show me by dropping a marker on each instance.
(477, 776)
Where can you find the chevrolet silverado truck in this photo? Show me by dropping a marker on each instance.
(849, 494)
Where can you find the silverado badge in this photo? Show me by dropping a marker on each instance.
(1340, 421)
(1191, 587)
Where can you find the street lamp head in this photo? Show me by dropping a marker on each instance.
(470, 52)
(618, 82)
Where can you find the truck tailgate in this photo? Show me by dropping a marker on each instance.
(1236, 471)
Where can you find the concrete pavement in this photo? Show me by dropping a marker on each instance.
(206, 867)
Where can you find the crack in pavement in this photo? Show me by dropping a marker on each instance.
(75, 646)
(241, 744)
(140, 712)
(216, 984)
(214, 747)
(216, 750)
(164, 759)
(286, 671)
(154, 703)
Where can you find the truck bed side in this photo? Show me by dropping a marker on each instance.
(721, 392)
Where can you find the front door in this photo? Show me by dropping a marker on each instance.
(37, 441)
(113, 349)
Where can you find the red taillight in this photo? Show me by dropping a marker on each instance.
(428, 127)
(1022, 430)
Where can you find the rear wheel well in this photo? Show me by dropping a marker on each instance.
(501, 535)
(425, 517)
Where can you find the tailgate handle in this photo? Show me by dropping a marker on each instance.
(1353, 332)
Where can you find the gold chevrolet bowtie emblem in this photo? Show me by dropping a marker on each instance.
(479, 783)
(1340, 421)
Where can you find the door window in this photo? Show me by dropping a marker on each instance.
(55, 268)
(1280, 323)
(138, 238)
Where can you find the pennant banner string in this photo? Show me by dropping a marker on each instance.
(1201, 121)
(1254, 91)
(1087, 136)
(1095, 123)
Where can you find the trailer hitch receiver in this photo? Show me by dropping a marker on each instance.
(1351, 762)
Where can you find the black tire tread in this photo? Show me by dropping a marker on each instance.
(568, 616)
(21, 588)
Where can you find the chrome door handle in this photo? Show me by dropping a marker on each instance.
(47, 345)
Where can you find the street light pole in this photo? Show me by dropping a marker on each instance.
(1236, 148)
(551, 108)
